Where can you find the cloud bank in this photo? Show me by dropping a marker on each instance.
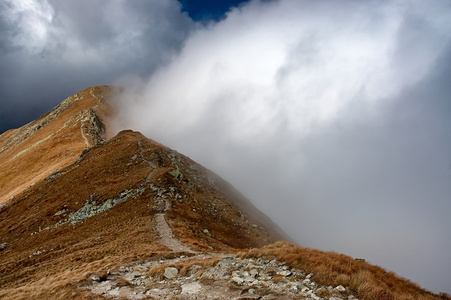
(332, 117)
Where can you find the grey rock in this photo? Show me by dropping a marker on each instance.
(36, 253)
(153, 291)
(114, 292)
(54, 175)
(191, 288)
(95, 277)
(294, 289)
(64, 210)
(91, 208)
(340, 289)
(284, 273)
(170, 272)
(253, 273)
(249, 296)
(176, 173)
(3, 246)
(236, 274)
(226, 261)
(250, 280)
(238, 280)
(249, 275)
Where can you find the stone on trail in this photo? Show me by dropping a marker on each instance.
(191, 288)
(170, 272)
(340, 289)
(95, 277)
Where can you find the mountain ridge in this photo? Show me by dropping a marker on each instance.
(82, 209)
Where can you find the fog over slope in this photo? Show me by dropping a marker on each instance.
(334, 118)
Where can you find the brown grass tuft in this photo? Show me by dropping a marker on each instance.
(278, 278)
(122, 282)
(323, 293)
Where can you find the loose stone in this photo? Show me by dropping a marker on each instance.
(170, 272)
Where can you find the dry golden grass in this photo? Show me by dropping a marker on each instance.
(364, 280)
(44, 145)
(278, 278)
(120, 282)
(323, 293)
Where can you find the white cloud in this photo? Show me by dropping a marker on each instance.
(278, 58)
(33, 19)
(297, 104)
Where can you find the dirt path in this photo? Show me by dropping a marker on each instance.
(166, 237)
(160, 207)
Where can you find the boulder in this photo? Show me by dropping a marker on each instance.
(253, 273)
(340, 289)
(170, 272)
(95, 277)
(284, 273)
(191, 288)
(238, 280)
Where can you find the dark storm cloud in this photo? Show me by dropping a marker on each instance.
(52, 49)
(333, 118)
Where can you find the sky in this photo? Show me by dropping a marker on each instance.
(333, 117)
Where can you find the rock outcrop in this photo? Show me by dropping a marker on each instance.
(213, 276)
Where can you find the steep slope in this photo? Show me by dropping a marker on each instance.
(87, 215)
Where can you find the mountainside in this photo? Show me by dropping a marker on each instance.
(88, 215)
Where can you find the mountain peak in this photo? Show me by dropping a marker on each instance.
(52, 141)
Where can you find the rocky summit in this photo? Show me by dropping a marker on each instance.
(89, 214)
